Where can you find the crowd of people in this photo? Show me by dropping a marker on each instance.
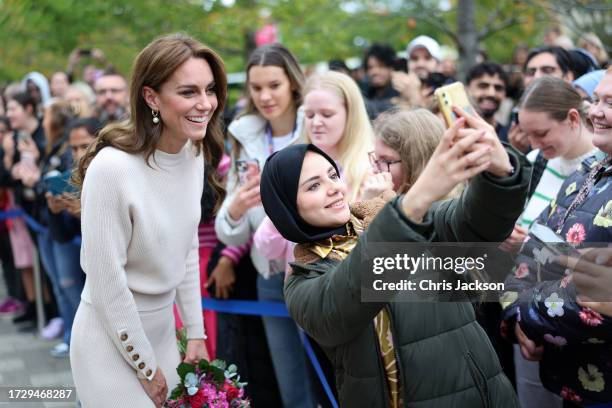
(154, 193)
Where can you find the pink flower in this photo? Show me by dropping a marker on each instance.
(590, 317)
(570, 395)
(210, 391)
(521, 270)
(556, 340)
(576, 234)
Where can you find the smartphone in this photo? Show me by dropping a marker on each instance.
(373, 161)
(85, 52)
(246, 169)
(58, 183)
(550, 244)
(453, 95)
(514, 119)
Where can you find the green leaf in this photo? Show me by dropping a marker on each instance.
(177, 392)
(204, 365)
(219, 364)
(219, 376)
(183, 369)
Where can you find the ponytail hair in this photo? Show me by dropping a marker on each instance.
(553, 96)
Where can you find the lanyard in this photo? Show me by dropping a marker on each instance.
(583, 192)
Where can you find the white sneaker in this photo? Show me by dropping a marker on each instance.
(61, 350)
(53, 329)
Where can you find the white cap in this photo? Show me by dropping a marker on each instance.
(423, 41)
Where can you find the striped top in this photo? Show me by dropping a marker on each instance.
(556, 171)
(206, 235)
(207, 238)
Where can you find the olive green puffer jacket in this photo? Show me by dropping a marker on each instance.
(444, 355)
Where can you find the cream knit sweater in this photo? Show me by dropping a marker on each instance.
(140, 243)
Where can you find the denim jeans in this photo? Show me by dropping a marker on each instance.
(286, 349)
(62, 263)
(529, 388)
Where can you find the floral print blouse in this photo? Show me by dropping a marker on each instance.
(577, 359)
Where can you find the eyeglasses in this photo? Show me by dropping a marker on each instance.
(378, 164)
(381, 162)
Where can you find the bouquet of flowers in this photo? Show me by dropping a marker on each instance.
(207, 385)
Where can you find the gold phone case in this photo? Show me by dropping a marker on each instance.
(453, 95)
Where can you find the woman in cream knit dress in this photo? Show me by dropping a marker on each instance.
(142, 181)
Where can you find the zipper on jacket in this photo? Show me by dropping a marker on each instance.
(480, 380)
(381, 367)
(397, 359)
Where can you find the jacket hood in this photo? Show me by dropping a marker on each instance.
(42, 84)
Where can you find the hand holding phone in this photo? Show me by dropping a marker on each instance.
(453, 95)
(58, 183)
(550, 245)
(246, 169)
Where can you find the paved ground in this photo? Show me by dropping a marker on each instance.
(25, 361)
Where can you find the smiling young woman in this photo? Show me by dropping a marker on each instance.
(270, 122)
(581, 213)
(141, 183)
(392, 351)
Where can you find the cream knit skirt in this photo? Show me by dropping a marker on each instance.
(101, 376)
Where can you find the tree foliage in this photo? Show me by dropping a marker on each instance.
(40, 34)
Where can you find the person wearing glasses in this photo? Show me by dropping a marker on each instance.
(552, 61)
(404, 143)
(542, 61)
(111, 97)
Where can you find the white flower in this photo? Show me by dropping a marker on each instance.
(554, 304)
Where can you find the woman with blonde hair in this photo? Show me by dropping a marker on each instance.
(142, 181)
(336, 121)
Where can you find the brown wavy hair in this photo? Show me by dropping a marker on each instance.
(153, 66)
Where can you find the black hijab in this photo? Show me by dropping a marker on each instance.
(279, 189)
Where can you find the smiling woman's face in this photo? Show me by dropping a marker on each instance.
(321, 198)
(600, 114)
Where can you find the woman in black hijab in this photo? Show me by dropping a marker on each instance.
(389, 354)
